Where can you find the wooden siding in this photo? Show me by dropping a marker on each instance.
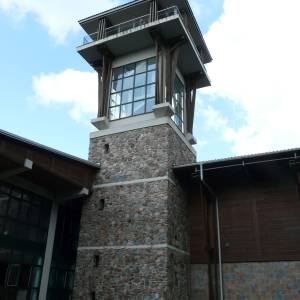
(259, 222)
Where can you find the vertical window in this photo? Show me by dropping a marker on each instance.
(24, 220)
(178, 103)
(133, 89)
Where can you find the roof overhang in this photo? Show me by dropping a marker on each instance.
(50, 173)
(140, 38)
(279, 166)
(139, 8)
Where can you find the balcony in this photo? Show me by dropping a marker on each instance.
(129, 26)
(134, 35)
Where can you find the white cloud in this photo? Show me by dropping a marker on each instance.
(213, 119)
(256, 48)
(74, 88)
(58, 16)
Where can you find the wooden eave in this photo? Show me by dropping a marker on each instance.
(54, 171)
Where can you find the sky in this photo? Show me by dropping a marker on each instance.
(48, 93)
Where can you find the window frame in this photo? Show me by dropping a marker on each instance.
(183, 109)
(147, 86)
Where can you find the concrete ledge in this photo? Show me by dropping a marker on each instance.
(163, 110)
(100, 123)
(148, 121)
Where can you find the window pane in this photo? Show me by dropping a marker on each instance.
(52, 278)
(115, 99)
(150, 104)
(139, 93)
(129, 70)
(127, 96)
(178, 109)
(117, 73)
(16, 193)
(141, 66)
(25, 212)
(4, 189)
(151, 64)
(139, 108)
(13, 275)
(128, 83)
(140, 80)
(10, 228)
(1, 225)
(116, 86)
(151, 91)
(25, 277)
(114, 113)
(151, 77)
(126, 110)
(13, 209)
(3, 270)
(178, 121)
(5, 255)
(3, 204)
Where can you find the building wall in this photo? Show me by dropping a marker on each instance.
(141, 235)
(248, 281)
(260, 235)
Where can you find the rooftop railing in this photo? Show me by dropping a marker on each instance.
(132, 24)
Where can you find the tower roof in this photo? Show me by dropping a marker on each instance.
(138, 8)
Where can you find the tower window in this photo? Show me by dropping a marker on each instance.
(133, 89)
(178, 103)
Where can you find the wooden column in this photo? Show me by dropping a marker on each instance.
(167, 53)
(101, 29)
(160, 70)
(153, 11)
(104, 73)
(172, 55)
(191, 93)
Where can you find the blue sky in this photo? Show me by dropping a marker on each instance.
(251, 107)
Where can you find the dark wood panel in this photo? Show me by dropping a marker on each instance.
(197, 229)
(259, 222)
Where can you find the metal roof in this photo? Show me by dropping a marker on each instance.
(249, 156)
(276, 155)
(48, 149)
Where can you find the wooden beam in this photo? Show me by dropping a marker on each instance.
(103, 81)
(73, 195)
(27, 166)
(30, 186)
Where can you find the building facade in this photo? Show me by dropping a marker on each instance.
(134, 237)
(142, 219)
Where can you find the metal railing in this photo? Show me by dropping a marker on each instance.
(132, 24)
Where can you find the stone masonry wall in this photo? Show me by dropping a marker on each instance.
(249, 281)
(137, 154)
(140, 237)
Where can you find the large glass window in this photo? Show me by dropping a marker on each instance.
(178, 103)
(61, 279)
(133, 89)
(24, 221)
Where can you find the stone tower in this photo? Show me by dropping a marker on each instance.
(134, 237)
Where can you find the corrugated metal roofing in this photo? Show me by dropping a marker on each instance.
(248, 156)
